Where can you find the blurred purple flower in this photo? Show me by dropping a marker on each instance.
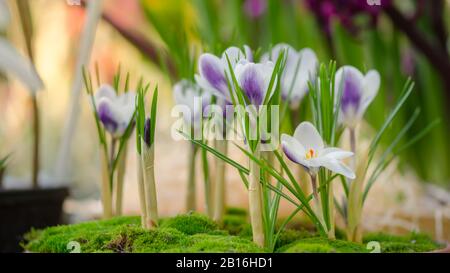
(255, 8)
(345, 11)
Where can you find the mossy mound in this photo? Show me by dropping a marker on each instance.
(196, 233)
(322, 245)
(413, 242)
(190, 224)
(184, 233)
(235, 221)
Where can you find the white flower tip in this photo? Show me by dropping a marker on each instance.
(351, 175)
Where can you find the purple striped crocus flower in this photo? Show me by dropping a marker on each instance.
(114, 111)
(254, 80)
(358, 91)
(213, 71)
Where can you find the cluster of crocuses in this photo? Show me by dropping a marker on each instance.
(283, 76)
(117, 111)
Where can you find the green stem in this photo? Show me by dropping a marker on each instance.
(220, 188)
(331, 231)
(191, 188)
(106, 188)
(255, 202)
(208, 185)
(148, 156)
(141, 190)
(119, 182)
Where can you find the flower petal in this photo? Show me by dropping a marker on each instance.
(248, 53)
(306, 71)
(125, 106)
(293, 149)
(212, 70)
(336, 153)
(107, 115)
(105, 91)
(234, 54)
(252, 81)
(338, 167)
(21, 67)
(371, 85)
(309, 137)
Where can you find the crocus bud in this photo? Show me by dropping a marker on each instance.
(147, 132)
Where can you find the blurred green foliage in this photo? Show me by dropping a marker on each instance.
(185, 27)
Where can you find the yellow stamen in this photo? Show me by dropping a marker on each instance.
(310, 154)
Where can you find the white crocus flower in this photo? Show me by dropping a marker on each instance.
(358, 91)
(306, 148)
(12, 61)
(301, 66)
(114, 111)
(190, 95)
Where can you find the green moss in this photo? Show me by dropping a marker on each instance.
(322, 245)
(413, 242)
(289, 236)
(235, 224)
(196, 233)
(184, 233)
(236, 211)
(190, 224)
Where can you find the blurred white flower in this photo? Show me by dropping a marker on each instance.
(11, 61)
(189, 94)
(114, 111)
(301, 66)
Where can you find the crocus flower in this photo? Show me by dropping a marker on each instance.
(189, 94)
(255, 8)
(12, 61)
(346, 11)
(300, 67)
(114, 111)
(213, 71)
(358, 91)
(306, 148)
(254, 80)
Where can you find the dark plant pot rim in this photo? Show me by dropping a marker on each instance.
(32, 194)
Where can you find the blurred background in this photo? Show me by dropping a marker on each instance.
(154, 38)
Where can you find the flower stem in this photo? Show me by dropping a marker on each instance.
(220, 189)
(106, 187)
(353, 146)
(36, 139)
(317, 201)
(119, 182)
(255, 205)
(191, 189)
(148, 156)
(331, 231)
(208, 186)
(141, 190)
